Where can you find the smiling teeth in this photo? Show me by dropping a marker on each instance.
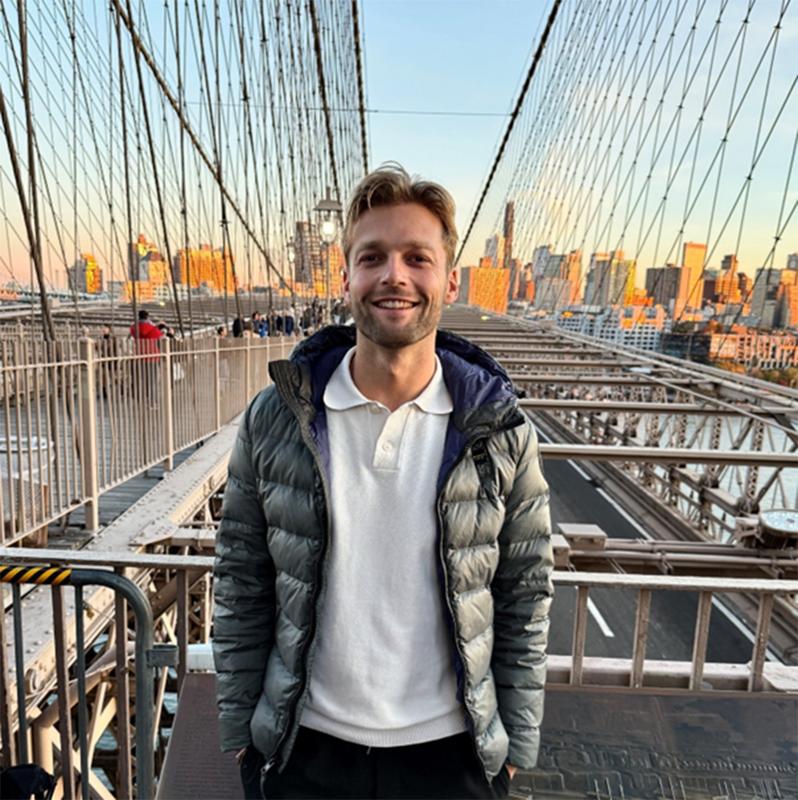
(394, 304)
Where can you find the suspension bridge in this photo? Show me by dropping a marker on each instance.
(192, 158)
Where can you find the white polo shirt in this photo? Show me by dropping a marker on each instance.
(383, 674)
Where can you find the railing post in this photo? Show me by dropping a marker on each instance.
(641, 638)
(700, 639)
(247, 370)
(760, 642)
(167, 406)
(580, 633)
(88, 429)
(217, 386)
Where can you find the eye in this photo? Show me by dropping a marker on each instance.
(367, 258)
(418, 258)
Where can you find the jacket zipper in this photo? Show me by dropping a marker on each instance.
(291, 728)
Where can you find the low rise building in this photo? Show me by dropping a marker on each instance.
(631, 326)
(750, 348)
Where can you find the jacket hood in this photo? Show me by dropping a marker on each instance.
(482, 393)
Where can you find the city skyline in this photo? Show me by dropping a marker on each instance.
(409, 100)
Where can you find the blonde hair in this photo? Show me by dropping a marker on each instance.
(392, 185)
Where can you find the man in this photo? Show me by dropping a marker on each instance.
(145, 333)
(146, 369)
(258, 324)
(383, 563)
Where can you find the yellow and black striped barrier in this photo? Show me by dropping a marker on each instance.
(43, 575)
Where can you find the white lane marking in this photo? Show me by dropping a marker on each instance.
(740, 626)
(579, 470)
(625, 514)
(737, 623)
(573, 464)
(602, 623)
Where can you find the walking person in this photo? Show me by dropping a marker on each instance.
(290, 321)
(383, 570)
(146, 370)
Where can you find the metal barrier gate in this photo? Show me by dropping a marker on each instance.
(148, 658)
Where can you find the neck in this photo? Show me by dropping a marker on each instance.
(393, 376)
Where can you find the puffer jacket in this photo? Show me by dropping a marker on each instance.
(494, 540)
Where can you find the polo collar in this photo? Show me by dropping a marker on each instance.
(341, 393)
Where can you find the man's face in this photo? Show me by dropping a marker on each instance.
(396, 280)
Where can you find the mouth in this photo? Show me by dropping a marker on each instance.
(394, 304)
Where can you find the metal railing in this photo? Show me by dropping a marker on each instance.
(166, 607)
(636, 672)
(710, 451)
(147, 660)
(74, 425)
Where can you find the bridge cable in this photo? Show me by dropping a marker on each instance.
(511, 123)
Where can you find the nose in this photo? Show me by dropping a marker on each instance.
(394, 270)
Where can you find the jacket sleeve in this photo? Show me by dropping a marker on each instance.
(244, 597)
(522, 593)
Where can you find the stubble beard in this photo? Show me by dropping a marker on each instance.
(394, 339)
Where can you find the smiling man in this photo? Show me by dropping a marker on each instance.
(383, 572)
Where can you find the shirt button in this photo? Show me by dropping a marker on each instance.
(387, 447)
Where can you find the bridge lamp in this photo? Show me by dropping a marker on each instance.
(328, 211)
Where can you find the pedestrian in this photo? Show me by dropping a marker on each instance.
(271, 320)
(290, 321)
(305, 321)
(108, 350)
(145, 333)
(145, 369)
(238, 328)
(400, 543)
(166, 330)
(221, 331)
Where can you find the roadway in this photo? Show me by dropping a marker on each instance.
(576, 498)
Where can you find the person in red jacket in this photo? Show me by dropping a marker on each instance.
(146, 336)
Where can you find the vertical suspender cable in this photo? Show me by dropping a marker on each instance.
(314, 20)
(33, 219)
(183, 209)
(513, 117)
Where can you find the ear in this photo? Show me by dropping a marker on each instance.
(452, 286)
(345, 283)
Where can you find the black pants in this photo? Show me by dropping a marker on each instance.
(322, 766)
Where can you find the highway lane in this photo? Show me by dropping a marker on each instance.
(574, 498)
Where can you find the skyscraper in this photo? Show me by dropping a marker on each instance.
(559, 283)
(727, 289)
(494, 249)
(765, 300)
(540, 258)
(85, 275)
(691, 279)
(610, 279)
(662, 284)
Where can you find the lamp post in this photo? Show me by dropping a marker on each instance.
(328, 211)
